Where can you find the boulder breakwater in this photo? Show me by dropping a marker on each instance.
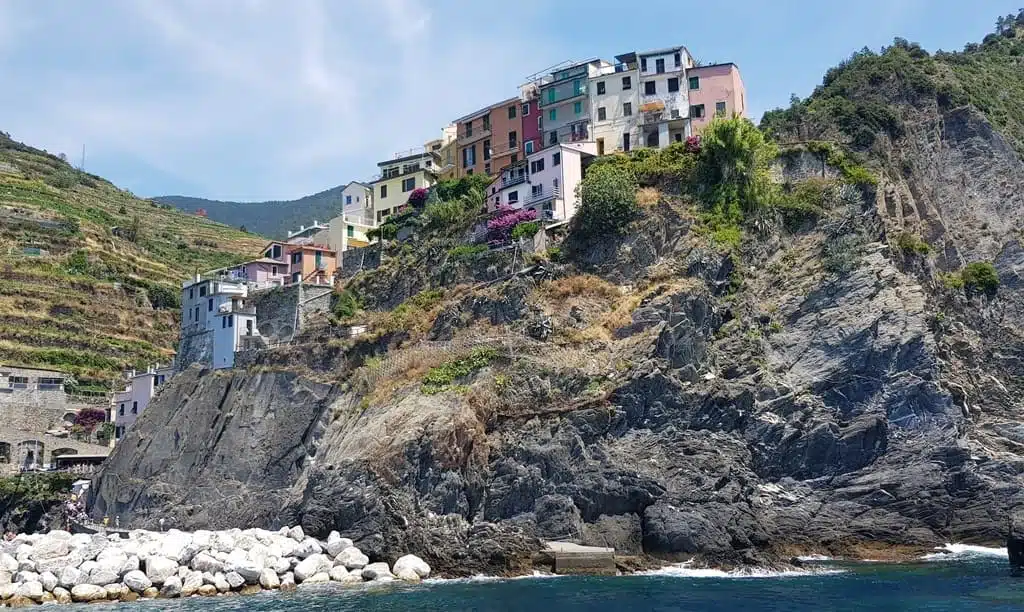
(64, 568)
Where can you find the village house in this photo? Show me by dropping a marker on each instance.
(545, 182)
(562, 94)
(489, 139)
(401, 175)
(140, 387)
(216, 318)
(715, 90)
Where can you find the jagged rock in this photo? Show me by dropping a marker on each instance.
(102, 577)
(61, 595)
(338, 573)
(318, 578)
(296, 534)
(159, 569)
(335, 546)
(191, 584)
(268, 579)
(288, 582)
(20, 601)
(171, 588)
(116, 591)
(234, 579)
(307, 547)
(250, 572)
(71, 577)
(1015, 540)
(26, 576)
(32, 589)
(49, 581)
(54, 544)
(207, 590)
(221, 582)
(8, 590)
(311, 565)
(137, 581)
(88, 592)
(8, 563)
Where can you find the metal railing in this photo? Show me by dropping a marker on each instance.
(513, 180)
(473, 135)
(543, 194)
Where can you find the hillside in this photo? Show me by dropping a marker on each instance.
(78, 295)
(274, 218)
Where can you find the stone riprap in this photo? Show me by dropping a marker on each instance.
(64, 568)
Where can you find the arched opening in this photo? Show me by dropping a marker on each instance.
(5, 452)
(30, 454)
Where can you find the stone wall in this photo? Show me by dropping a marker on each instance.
(316, 302)
(25, 417)
(280, 310)
(195, 348)
(355, 260)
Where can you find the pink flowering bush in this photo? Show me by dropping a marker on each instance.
(693, 144)
(418, 197)
(499, 228)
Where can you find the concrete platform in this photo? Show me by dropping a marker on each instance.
(570, 558)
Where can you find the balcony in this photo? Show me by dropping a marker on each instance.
(544, 101)
(511, 181)
(545, 193)
(574, 132)
(467, 138)
(358, 218)
(504, 149)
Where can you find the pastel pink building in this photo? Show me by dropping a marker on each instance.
(531, 122)
(715, 90)
(263, 273)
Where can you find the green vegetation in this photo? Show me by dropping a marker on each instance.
(442, 377)
(608, 196)
(980, 277)
(911, 244)
(36, 487)
(457, 189)
(734, 165)
(345, 305)
(96, 301)
(525, 230)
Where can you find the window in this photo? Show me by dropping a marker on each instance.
(577, 87)
(120, 411)
(277, 251)
(487, 122)
(348, 199)
(526, 109)
(513, 140)
(643, 64)
(468, 130)
(224, 323)
(678, 59)
(197, 313)
(191, 294)
(627, 83)
(383, 191)
(350, 231)
(231, 320)
(537, 165)
(512, 112)
(600, 146)
(469, 157)
(694, 82)
(487, 149)
(528, 147)
(135, 407)
(556, 159)
(513, 197)
(553, 138)
(625, 142)
(189, 314)
(673, 84)
(652, 139)
(469, 172)
(383, 214)
(650, 88)
(202, 291)
(659, 65)
(408, 184)
(487, 168)
(273, 270)
(297, 257)
(720, 109)
(390, 172)
(600, 87)
(209, 305)
(551, 95)
(697, 111)
(515, 158)
(296, 277)
(577, 107)
(553, 114)
(678, 137)
(601, 113)
(536, 190)
(627, 108)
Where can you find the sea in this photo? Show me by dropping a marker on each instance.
(956, 577)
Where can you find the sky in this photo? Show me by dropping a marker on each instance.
(270, 99)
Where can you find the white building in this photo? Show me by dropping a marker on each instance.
(218, 308)
(546, 182)
(140, 388)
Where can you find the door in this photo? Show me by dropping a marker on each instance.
(600, 146)
(625, 142)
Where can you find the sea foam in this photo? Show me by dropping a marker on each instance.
(949, 552)
(686, 570)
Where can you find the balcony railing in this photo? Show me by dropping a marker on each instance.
(545, 101)
(515, 179)
(473, 136)
(551, 193)
(574, 132)
(360, 219)
(504, 149)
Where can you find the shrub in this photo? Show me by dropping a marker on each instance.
(911, 244)
(842, 253)
(981, 277)
(443, 376)
(525, 230)
(454, 189)
(608, 196)
(505, 220)
(89, 418)
(733, 165)
(65, 178)
(162, 297)
(346, 304)
(444, 214)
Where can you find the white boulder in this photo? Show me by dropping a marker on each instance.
(71, 577)
(32, 589)
(205, 563)
(49, 581)
(269, 579)
(311, 565)
(234, 579)
(352, 558)
(8, 591)
(377, 571)
(8, 563)
(51, 546)
(190, 585)
(174, 545)
(159, 569)
(102, 577)
(318, 578)
(335, 546)
(171, 587)
(307, 547)
(221, 582)
(249, 571)
(296, 533)
(26, 577)
(137, 581)
(88, 592)
(413, 564)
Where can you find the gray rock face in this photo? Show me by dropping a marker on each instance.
(137, 581)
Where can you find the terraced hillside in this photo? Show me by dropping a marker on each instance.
(90, 274)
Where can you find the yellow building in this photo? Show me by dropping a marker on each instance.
(401, 175)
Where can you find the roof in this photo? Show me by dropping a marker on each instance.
(311, 247)
(18, 367)
(399, 160)
(486, 109)
(350, 183)
(661, 51)
(719, 65)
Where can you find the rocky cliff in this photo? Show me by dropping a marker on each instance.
(824, 384)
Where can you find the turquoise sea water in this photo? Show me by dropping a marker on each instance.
(966, 581)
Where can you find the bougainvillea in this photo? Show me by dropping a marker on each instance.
(89, 418)
(418, 197)
(499, 228)
(693, 144)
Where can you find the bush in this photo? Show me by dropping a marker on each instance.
(162, 297)
(454, 189)
(911, 244)
(981, 277)
(90, 418)
(734, 165)
(500, 227)
(443, 376)
(525, 230)
(346, 304)
(418, 197)
(608, 200)
(466, 251)
(842, 253)
(65, 178)
(444, 214)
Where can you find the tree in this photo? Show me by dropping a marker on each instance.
(134, 230)
(734, 162)
(1000, 24)
(608, 196)
(89, 418)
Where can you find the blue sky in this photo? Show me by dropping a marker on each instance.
(268, 99)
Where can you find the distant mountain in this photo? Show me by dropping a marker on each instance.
(273, 219)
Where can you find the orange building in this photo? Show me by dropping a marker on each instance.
(311, 264)
(489, 139)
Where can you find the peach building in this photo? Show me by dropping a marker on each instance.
(715, 90)
(490, 138)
